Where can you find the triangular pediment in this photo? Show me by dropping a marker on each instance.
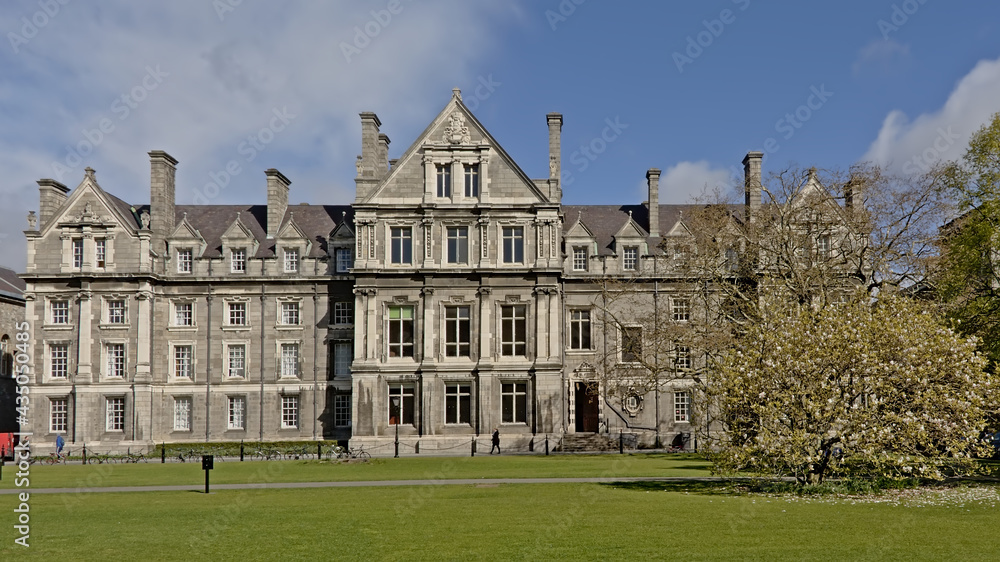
(579, 230)
(456, 130)
(679, 229)
(342, 231)
(184, 232)
(291, 231)
(90, 204)
(630, 230)
(237, 232)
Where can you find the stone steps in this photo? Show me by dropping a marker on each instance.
(587, 442)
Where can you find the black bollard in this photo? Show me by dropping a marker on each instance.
(163, 453)
(473, 447)
(241, 450)
(319, 451)
(621, 442)
(84, 453)
(546, 445)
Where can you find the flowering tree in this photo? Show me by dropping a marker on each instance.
(861, 388)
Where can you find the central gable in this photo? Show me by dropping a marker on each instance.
(453, 143)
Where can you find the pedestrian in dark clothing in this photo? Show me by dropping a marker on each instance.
(496, 441)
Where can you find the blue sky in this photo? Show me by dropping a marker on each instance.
(689, 86)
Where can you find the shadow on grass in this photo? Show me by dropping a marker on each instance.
(704, 487)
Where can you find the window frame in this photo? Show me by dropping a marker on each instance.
(291, 260)
(512, 244)
(680, 309)
(510, 346)
(406, 344)
(407, 403)
(630, 258)
(682, 406)
(290, 310)
(401, 245)
(114, 370)
(343, 310)
(631, 338)
(289, 411)
(238, 260)
(341, 410)
(442, 178)
(581, 329)
(342, 349)
(100, 252)
(343, 264)
(111, 305)
(185, 260)
(114, 414)
(76, 249)
(64, 360)
(52, 312)
(236, 416)
(288, 369)
(580, 262)
(458, 403)
(514, 402)
(458, 326)
(457, 245)
(176, 360)
(470, 173)
(229, 357)
(183, 415)
(236, 310)
(177, 315)
(60, 414)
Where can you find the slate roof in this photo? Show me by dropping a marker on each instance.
(605, 220)
(11, 285)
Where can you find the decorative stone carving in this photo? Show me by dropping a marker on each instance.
(553, 167)
(457, 132)
(32, 220)
(144, 220)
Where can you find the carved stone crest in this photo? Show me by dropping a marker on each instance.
(456, 132)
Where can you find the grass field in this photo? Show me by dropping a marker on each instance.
(507, 521)
(409, 468)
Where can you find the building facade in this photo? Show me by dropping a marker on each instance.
(454, 296)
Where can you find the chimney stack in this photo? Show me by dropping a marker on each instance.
(367, 176)
(751, 179)
(51, 197)
(382, 164)
(277, 200)
(162, 217)
(653, 183)
(555, 121)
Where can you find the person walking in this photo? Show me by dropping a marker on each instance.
(496, 441)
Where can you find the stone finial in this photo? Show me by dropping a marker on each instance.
(144, 220)
(32, 220)
(457, 93)
(90, 173)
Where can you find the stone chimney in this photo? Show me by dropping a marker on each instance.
(751, 179)
(162, 218)
(277, 200)
(382, 162)
(51, 197)
(653, 183)
(854, 194)
(555, 121)
(367, 176)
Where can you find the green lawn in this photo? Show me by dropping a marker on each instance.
(482, 466)
(579, 521)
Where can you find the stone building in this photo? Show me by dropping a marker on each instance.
(11, 317)
(454, 296)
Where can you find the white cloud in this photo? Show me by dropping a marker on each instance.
(912, 146)
(220, 82)
(883, 53)
(685, 181)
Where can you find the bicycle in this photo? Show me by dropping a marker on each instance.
(56, 458)
(353, 453)
(134, 458)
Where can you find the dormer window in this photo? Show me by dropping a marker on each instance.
(184, 260)
(630, 258)
(291, 260)
(100, 251)
(344, 260)
(471, 180)
(580, 258)
(443, 180)
(238, 261)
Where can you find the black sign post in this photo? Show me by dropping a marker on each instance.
(207, 464)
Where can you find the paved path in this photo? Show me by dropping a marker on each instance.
(359, 484)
